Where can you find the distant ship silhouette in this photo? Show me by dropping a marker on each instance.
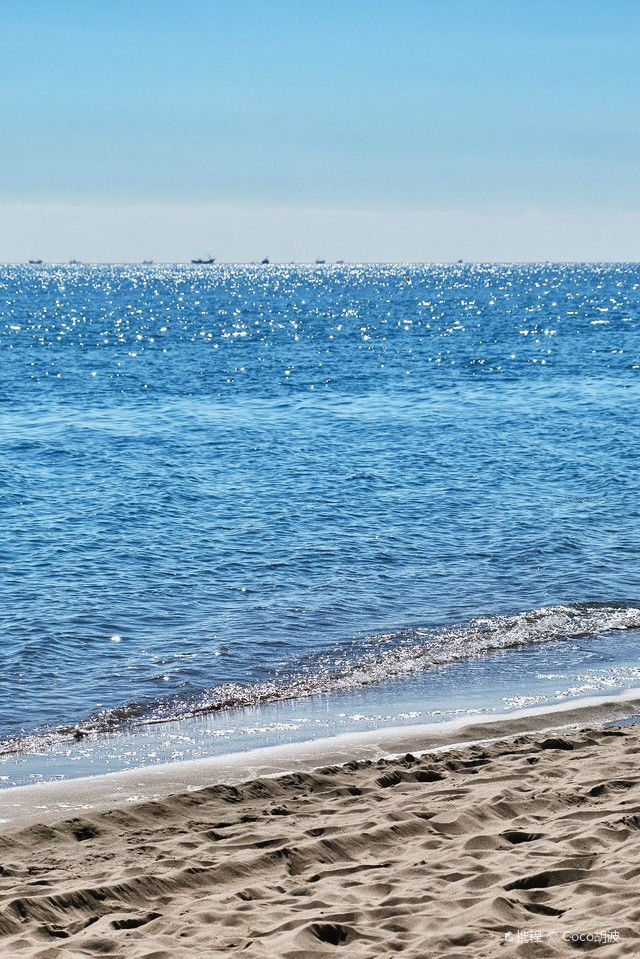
(320, 262)
(265, 261)
(35, 262)
(200, 262)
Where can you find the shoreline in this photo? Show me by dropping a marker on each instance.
(48, 800)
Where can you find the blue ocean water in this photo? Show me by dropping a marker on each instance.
(235, 485)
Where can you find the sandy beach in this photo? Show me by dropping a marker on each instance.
(518, 847)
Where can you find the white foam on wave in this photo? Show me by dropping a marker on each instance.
(410, 651)
(377, 659)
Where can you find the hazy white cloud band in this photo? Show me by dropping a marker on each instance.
(58, 232)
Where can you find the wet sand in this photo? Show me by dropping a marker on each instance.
(495, 849)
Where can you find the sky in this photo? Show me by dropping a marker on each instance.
(421, 130)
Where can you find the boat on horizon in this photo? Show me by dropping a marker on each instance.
(35, 262)
(265, 261)
(320, 262)
(199, 261)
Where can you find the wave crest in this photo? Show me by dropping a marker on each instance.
(377, 659)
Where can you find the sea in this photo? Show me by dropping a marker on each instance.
(250, 505)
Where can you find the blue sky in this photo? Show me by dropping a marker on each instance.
(473, 109)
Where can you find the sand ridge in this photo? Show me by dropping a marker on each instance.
(437, 855)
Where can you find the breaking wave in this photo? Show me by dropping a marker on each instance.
(377, 659)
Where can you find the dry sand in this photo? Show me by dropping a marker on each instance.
(439, 855)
